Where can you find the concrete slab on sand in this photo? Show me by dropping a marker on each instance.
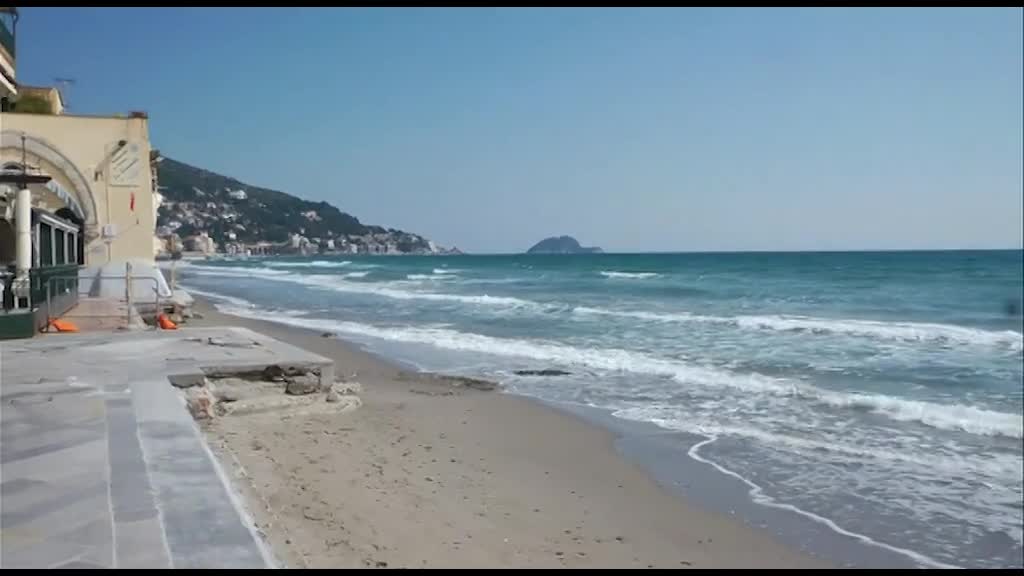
(101, 464)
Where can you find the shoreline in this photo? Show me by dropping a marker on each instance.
(519, 483)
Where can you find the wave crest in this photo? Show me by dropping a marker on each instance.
(632, 275)
(313, 264)
(900, 331)
(956, 417)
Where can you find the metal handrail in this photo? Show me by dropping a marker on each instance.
(129, 279)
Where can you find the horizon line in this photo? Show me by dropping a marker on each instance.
(759, 251)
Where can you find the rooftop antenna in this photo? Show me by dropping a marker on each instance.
(64, 83)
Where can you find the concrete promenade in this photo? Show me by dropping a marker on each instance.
(102, 466)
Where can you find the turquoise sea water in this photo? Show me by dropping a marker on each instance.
(880, 392)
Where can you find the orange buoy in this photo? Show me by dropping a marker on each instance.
(63, 325)
(166, 322)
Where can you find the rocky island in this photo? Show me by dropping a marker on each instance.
(561, 245)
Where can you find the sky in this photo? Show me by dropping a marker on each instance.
(631, 129)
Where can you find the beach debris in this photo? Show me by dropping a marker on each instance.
(347, 404)
(453, 381)
(200, 403)
(312, 514)
(288, 389)
(474, 383)
(347, 388)
(224, 394)
(326, 335)
(431, 393)
(275, 373)
(301, 385)
(544, 372)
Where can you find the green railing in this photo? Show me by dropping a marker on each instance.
(6, 39)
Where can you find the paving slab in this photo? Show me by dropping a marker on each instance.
(101, 466)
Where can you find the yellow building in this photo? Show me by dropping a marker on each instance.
(100, 169)
(74, 189)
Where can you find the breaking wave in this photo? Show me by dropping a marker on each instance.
(958, 417)
(313, 264)
(901, 331)
(634, 275)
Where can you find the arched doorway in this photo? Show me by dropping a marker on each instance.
(67, 183)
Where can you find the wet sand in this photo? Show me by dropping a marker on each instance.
(426, 474)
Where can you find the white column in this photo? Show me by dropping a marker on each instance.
(23, 228)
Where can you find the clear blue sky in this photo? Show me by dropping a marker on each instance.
(675, 129)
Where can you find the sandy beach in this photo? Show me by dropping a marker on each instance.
(425, 474)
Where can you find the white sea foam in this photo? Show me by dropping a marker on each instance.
(642, 315)
(633, 275)
(944, 416)
(891, 331)
(428, 276)
(337, 283)
(242, 307)
(494, 281)
(674, 418)
(381, 289)
(958, 417)
(899, 331)
(906, 331)
(757, 495)
(313, 264)
(360, 274)
(237, 303)
(446, 270)
(238, 271)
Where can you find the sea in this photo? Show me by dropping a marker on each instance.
(877, 396)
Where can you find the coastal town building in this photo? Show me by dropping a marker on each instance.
(74, 189)
(201, 243)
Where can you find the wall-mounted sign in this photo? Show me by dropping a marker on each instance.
(125, 165)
